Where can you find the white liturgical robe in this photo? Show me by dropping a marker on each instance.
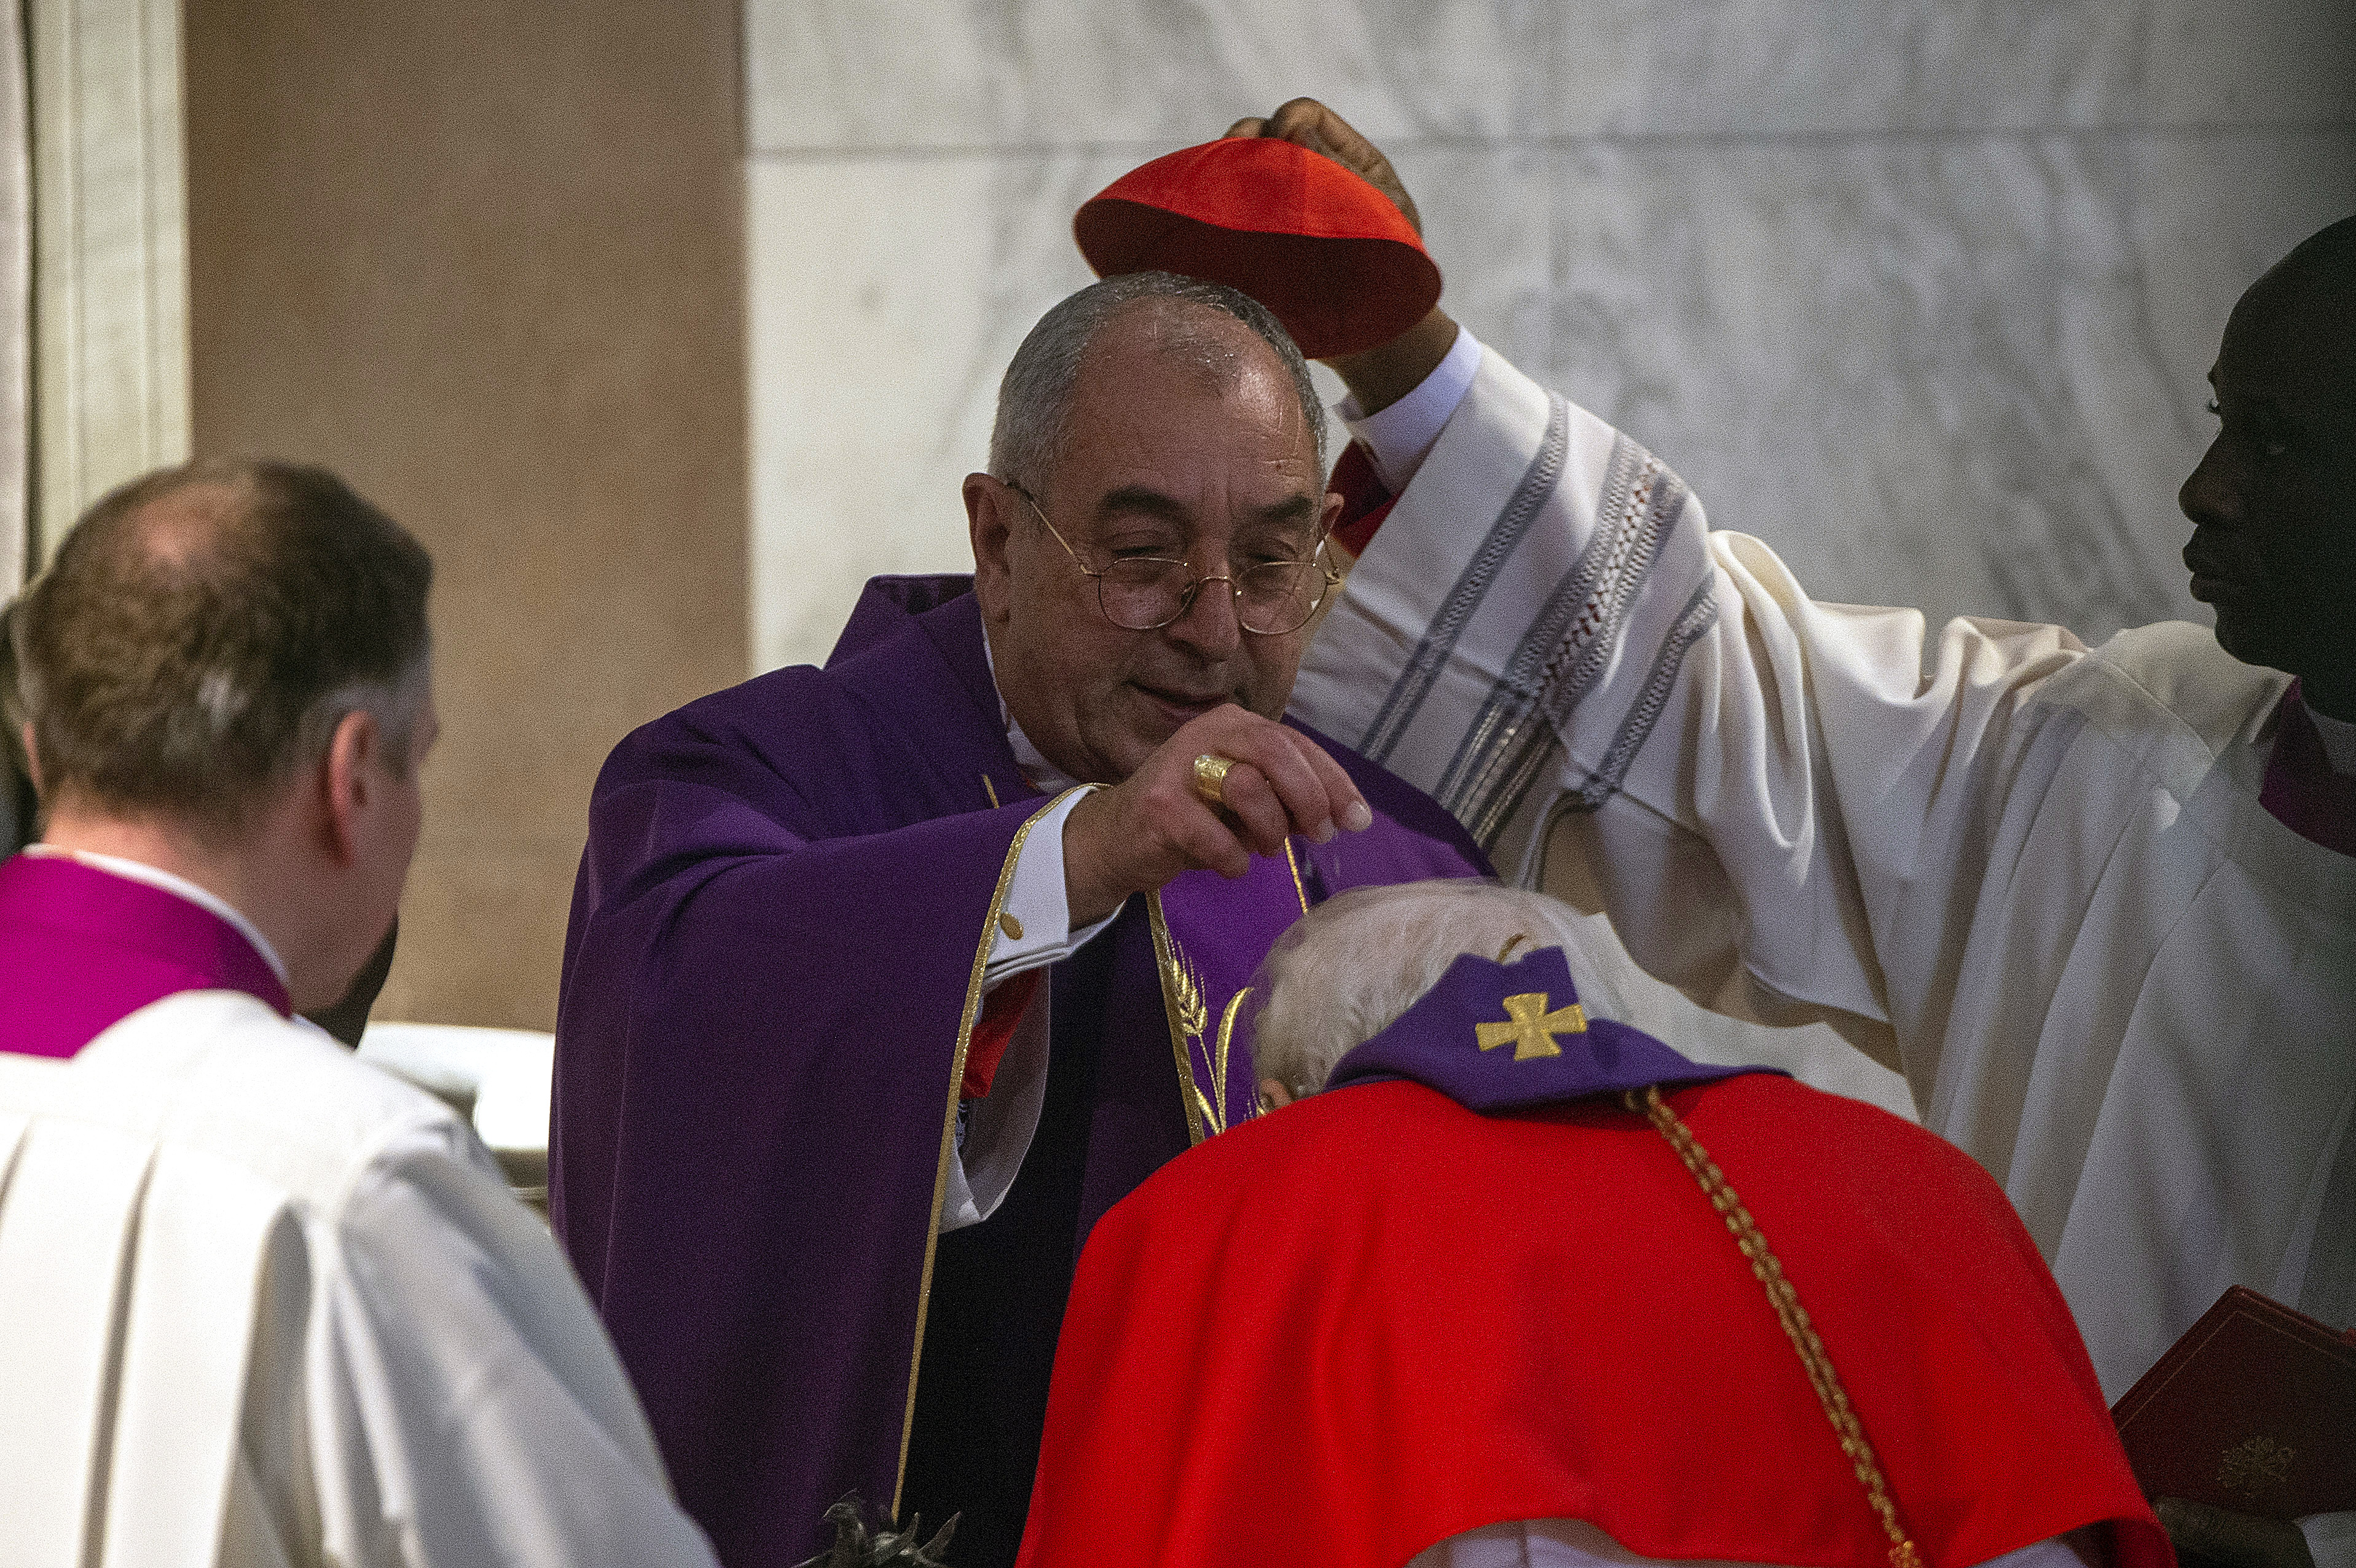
(2035, 877)
(264, 1304)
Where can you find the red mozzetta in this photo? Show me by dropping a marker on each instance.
(1343, 1332)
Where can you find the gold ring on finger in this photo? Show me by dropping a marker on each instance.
(1211, 777)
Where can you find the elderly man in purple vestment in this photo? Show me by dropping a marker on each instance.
(264, 1304)
(886, 979)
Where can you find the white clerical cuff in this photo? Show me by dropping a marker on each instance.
(1034, 923)
(1398, 438)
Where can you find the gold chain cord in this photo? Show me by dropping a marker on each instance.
(1788, 1312)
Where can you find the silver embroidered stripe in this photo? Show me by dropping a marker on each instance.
(1564, 654)
(1416, 679)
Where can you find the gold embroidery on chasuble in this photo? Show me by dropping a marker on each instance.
(1529, 1027)
(1189, 1007)
(1190, 1019)
(990, 931)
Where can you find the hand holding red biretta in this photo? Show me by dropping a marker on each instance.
(1334, 258)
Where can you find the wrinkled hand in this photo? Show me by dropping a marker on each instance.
(2220, 1536)
(1152, 826)
(1309, 123)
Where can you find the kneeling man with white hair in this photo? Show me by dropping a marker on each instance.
(260, 1304)
(1514, 1284)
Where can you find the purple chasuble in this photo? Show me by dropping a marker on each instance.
(1503, 1038)
(83, 949)
(2300, 791)
(775, 954)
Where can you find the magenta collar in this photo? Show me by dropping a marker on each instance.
(83, 949)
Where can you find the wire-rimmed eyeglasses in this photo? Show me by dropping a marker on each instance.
(1145, 593)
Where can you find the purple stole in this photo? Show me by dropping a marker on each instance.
(83, 949)
(1209, 935)
(2301, 792)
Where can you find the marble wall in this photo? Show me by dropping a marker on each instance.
(1920, 291)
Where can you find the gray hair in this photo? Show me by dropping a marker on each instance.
(1035, 397)
(1352, 964)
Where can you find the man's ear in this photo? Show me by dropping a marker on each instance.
(1273, 1095)
(350, 776)
(992, 509)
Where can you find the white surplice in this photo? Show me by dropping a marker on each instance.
(262, 1305)
(2033, 875)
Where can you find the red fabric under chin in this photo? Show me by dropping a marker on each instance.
(1346, 1331)
(1364, 501)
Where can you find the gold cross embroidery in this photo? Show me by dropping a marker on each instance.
(1530, 1027)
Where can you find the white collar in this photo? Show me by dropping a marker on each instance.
(1397, 438)
(1044, 777)
(180, 887)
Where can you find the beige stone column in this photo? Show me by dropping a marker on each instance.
(487, 261)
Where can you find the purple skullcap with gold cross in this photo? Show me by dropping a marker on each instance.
(1496, 1038)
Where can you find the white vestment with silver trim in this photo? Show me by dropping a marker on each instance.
(2034, 877)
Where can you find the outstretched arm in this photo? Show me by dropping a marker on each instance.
(1635, 713)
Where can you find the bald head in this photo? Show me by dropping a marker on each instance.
(2273, 500)
(1214, 347)
(201, 631)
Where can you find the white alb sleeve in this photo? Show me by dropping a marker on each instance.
(1548, 597)
(464, 1402)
